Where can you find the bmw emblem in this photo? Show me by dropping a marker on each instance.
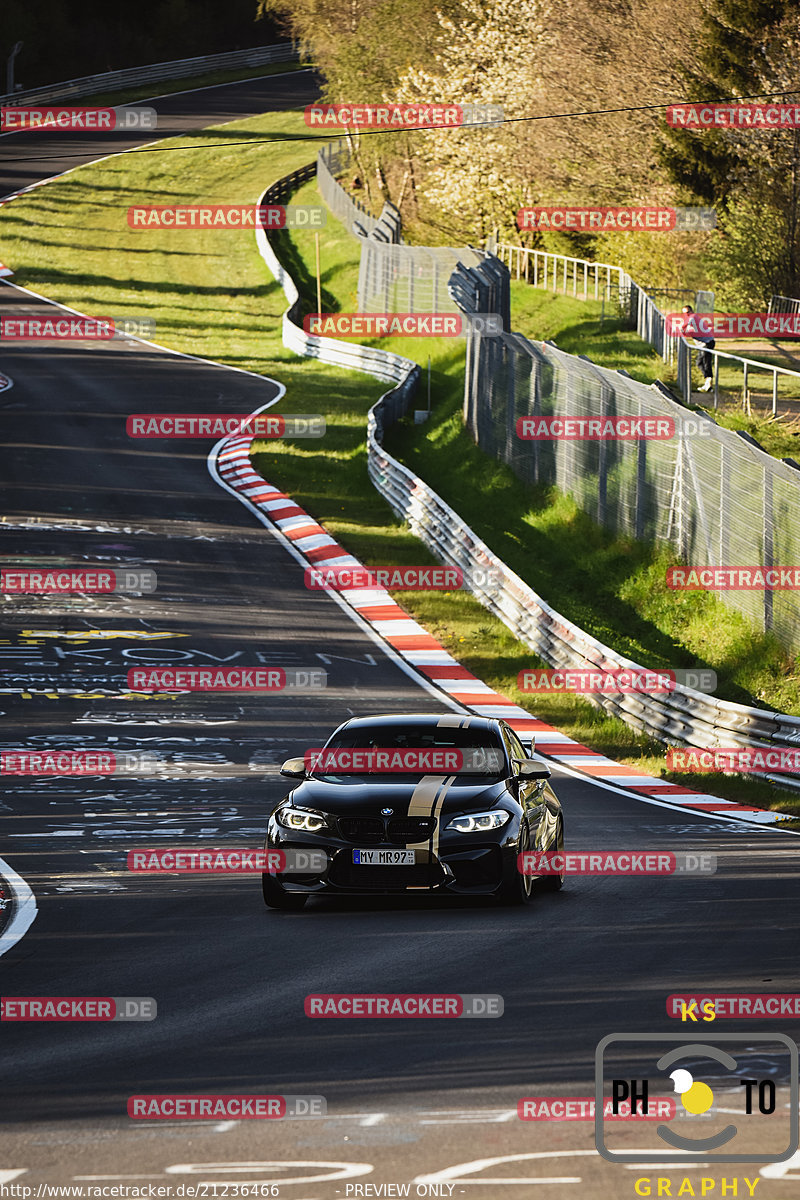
(386, 812)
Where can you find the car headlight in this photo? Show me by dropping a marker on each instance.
(301, 818)
(479, 822)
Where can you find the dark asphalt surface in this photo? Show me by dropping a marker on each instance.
(28, 156)
(229, 976)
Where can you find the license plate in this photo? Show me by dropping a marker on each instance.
(384, 858)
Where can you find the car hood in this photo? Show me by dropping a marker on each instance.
(368, 797)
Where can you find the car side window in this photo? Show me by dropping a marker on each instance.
(519, 749)
(508, 743)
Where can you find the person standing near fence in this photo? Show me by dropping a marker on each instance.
(705, 361)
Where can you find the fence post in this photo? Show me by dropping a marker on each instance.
(724, 504)
(511, 403)
(769, 548)
(641, 479)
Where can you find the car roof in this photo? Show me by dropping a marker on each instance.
(424, 721)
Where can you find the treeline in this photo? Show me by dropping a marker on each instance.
(547, 62)
(65, 39)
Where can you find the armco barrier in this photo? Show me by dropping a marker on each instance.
(355, 218)
(375, 362)
(181, 68)
(684, 716)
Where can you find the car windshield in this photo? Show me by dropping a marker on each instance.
(410, 750)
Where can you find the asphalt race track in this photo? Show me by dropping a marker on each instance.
(411, 1101)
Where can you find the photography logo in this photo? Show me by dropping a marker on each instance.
(742, 1069)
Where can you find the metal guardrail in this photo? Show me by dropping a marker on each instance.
(559, 272)
(379, 363)
(565, 274)
(356, 219)
(181, 68)
(586, 279)
(748, 365)
(684, 716)
(783, 304)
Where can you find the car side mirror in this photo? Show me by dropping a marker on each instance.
(532, 768)
(294, 768)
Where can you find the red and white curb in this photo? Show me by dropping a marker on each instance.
(437, 666)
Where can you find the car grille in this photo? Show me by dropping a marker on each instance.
(397, 830)
(410, 829)
(362, 829)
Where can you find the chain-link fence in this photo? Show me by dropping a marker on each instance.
(333, 160)
(685, 716)
(409, 279)
(393, 277)
(711, 493)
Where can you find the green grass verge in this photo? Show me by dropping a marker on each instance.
(585, 327)
(542, 535)
(210, 294)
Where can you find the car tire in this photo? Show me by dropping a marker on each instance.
(518, 890)
(276, 897)
(554, 883)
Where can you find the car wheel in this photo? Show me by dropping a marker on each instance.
(518, 889)
(554, 883)
(276, 897)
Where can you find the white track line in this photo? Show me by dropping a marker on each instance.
(25, 910)
(24, 901)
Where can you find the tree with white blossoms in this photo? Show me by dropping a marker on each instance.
(490, 55)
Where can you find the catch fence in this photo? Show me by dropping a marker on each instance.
(712, 494)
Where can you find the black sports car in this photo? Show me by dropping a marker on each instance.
(415, 804)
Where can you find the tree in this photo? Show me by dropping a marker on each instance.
(733, 37)
(490, 54)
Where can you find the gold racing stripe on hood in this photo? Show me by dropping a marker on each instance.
(426, 801)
